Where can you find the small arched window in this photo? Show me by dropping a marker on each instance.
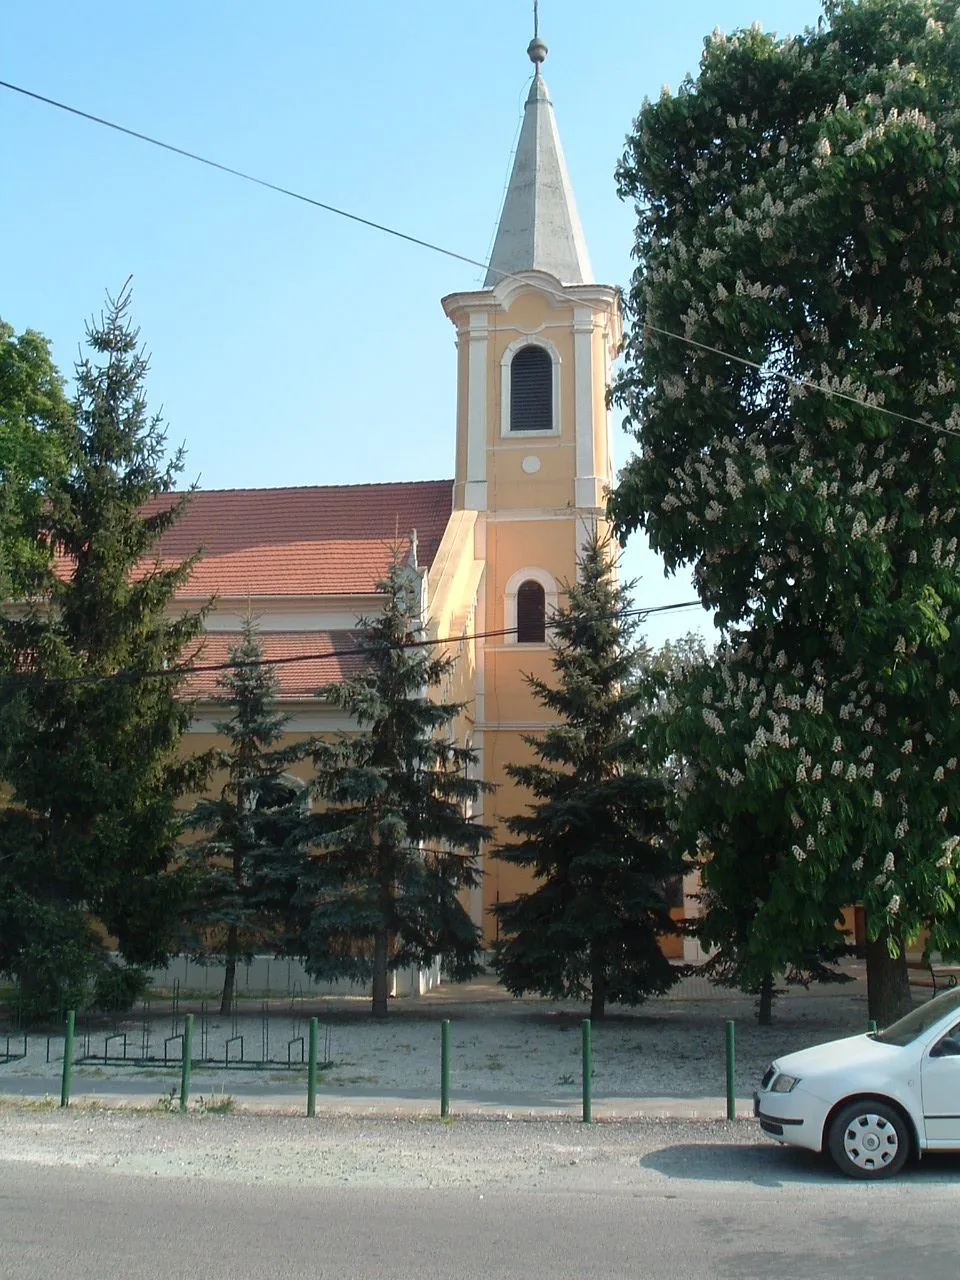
(531, 390)
(531, 613)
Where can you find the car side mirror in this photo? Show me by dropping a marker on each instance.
(948, 1047)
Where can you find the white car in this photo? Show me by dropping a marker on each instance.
(871, 1100)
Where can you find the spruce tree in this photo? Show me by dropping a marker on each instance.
(394, 845)
(91, 717)
(595, 835)
(241, 902)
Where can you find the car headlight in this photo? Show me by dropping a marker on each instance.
(784, 1083)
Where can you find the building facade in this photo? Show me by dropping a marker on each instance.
(494, 546)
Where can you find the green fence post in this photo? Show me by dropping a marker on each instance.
(67, 1059)
(312, 1071)
(187, 1063)
(872, 1026)
(731, 1070)
(444, 1068)
(587, 1071)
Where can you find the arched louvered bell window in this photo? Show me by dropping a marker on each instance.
(531, 390)
(531, 613)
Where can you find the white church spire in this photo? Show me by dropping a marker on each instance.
(539, 226)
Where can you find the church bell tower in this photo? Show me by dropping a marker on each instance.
(533, 459)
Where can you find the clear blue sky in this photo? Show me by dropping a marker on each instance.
(257, 309)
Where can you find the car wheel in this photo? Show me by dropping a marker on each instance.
(869, 1139)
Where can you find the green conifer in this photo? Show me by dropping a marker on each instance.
(394, 844)
(595, 836)
(241, 903)
(91, 762)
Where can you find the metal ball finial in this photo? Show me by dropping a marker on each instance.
(536, 50)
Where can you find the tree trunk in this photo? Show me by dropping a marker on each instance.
(598, 984)
(888, 982)
(765, 1003)
(230, 974)
(380, 974)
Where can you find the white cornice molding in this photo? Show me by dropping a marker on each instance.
(517, 726)
(603, 298)
(534, 514)
(302, 600)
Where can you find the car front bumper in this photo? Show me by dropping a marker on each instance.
(794, 1118)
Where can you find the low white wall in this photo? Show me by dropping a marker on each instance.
(266, 977)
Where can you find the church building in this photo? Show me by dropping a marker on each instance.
(492, 546)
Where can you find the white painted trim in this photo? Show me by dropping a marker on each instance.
(516, 726)
(230, 621)
(527, 574)
(302, 718)
(583, 323)
(586, 527)
(601, 297)
(507, 647)
(474, 742)
(554, 442)
(506, 360)
(475, 495)
(306, 600)
(532, 516)
(476, 477)
(540, 282)
(587, 490)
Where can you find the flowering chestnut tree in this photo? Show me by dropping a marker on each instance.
(790, 377)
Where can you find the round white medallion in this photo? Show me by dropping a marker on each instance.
(531, 464)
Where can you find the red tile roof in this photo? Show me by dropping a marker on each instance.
(328, 656)
(316, 540)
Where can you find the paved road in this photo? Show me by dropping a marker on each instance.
(679, 1210)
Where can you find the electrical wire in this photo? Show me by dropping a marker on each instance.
(246, 177)
(806, 383)
(355, 651)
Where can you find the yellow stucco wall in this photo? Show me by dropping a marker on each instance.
(528, 517)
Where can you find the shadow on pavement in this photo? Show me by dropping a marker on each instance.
(766, 1165)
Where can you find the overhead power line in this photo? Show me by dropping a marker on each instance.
(244, 176)
(354, 651)
(808, 384)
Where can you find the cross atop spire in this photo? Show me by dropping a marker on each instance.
(539, 226)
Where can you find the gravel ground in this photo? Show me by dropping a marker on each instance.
(350, 1150)
(516, 1052)
(525, 1051)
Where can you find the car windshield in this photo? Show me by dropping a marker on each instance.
(917, 1021)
